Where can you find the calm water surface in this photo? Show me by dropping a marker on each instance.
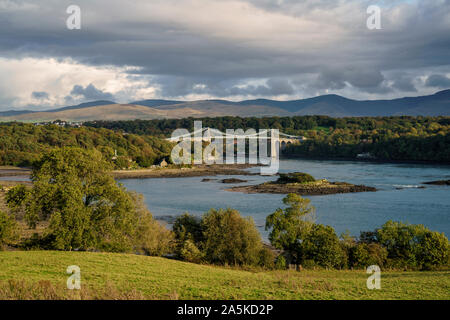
(353, 212)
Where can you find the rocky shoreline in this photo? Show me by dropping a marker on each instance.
(195, 171)
(317, 188)
(9, 171)
(169, 172)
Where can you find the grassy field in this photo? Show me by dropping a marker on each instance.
(42, 274)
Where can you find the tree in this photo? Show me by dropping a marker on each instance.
(321, 247)
(15, 198)
(291, 225)
(151, 238)
(22, 144)
(230, 238)
(86, 208)
(400, 240)
(188, 227)
(433, 250)
(364, 255)
(413, 245)
(8, 229)
(295, 177)
(189, 237)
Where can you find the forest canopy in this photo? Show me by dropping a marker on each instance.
(22, 144)
(402, 138)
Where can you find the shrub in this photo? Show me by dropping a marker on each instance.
(413, 245)
(364, 255)
(122, 162)
(152, 238)
(295, 177)
(188, 227)
(321, 246)
(267, 258)
(8, 229)
(280, 262)
(433, 250)
(230, 238)
(189, 252)
(38, 242)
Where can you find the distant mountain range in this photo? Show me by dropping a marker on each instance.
(332, 105)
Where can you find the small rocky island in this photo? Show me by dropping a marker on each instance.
(226, 181)
(302, 184)
(233, 180)
(438, 183)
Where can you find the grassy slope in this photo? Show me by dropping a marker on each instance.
(116, 112)
(160, 278)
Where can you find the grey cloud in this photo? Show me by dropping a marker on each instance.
(329, 80)
(184, 58)
(438, 81)
(90, 92)
(178, 87)
(404, 83)
(365, 79)
(40, 95)
(273, 87)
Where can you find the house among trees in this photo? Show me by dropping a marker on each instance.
(163, 163)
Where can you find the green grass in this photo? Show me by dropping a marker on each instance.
(159, 278)
(325, 129)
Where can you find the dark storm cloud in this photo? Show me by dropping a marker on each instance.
(179, 86)
(438, 81)
(276, 43)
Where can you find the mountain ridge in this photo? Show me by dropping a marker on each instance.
(330, 105)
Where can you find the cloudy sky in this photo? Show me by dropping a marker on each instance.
(227, 49)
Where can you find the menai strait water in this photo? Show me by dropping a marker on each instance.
(354, 212)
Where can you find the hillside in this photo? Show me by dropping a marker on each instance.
(330, 105)
(42, 274)
(131, 112)
(22, 144)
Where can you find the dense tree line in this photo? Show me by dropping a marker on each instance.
(291, 125)
(23, 144)
(381, 146)
(224, 237)
(385, 138)
(394, 245)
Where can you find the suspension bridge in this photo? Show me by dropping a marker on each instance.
(206, 134)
